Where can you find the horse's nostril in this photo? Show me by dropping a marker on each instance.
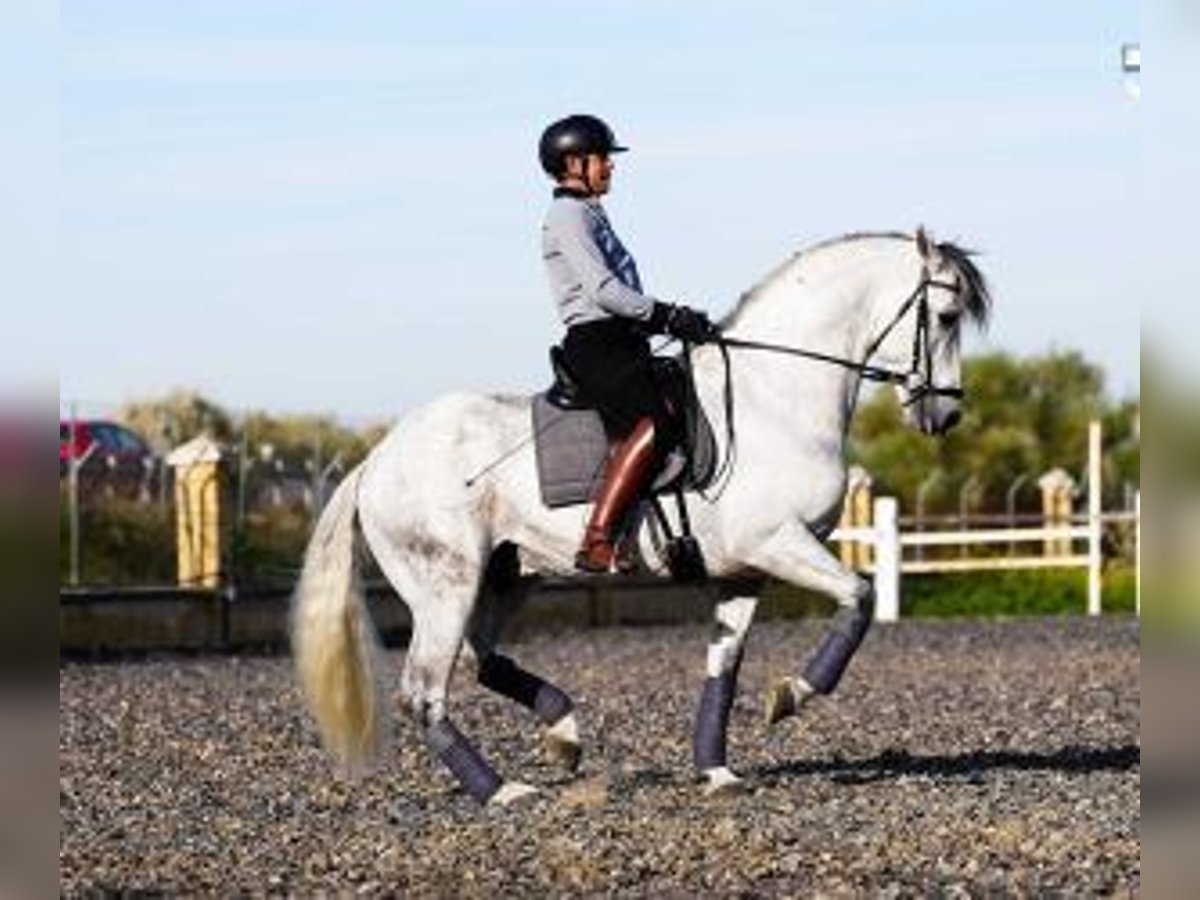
(952, 418)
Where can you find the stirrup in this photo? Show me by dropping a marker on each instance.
(585, 558)
(627, 560)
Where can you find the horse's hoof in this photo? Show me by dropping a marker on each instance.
(721, 782)
(780, 702)
(786, 698)
(566, 754)
(511, 792)
(562, 743)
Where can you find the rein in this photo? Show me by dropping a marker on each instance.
(921, 366)
(872, 373)
(875, 373)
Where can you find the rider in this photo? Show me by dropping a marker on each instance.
(595, 283)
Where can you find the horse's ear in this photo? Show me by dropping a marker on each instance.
(924, 245)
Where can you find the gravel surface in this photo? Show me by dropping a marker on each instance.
(957, 757)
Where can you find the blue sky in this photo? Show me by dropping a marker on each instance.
(335, 207)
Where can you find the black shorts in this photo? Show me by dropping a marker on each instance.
(611, 360)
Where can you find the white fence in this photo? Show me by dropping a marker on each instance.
(888, 543)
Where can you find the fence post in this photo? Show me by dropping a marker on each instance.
(933, 478)
(1095, 533)
(1010, 506)
(1057, 490)
(887, 560)
(201, 518)
(856, 513)
(74, 464)
(964, 501)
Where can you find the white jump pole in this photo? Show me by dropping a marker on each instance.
(887, 560)
(1094, 523)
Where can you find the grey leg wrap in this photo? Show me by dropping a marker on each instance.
(712, 720)
(825, 669)
(478, 778)
(502, 675)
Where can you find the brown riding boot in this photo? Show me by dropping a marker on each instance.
(627, 470)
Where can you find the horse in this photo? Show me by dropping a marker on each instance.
(779, 386)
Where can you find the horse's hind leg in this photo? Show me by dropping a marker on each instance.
(500, 595)
(732, 624)
(439, 586)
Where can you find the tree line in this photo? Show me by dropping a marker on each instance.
(1021, 418)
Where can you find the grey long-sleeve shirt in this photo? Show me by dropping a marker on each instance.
(592, 276)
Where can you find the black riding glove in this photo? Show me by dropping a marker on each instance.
(691, 325)
(683, 322)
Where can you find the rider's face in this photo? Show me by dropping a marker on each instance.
(593, 172)
(600, 170)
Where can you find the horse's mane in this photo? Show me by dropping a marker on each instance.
(977, 302)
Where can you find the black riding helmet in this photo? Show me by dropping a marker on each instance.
(579, 134)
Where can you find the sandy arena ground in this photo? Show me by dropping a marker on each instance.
(981, 755)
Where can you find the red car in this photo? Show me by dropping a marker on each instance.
(116, 446)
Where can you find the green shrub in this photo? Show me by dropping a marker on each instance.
(1032, 592)
(128, 542)
(269, 547)
(121, 542)
(1017, 593)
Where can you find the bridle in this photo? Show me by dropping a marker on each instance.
(920, 369)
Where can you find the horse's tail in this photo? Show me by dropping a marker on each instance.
(333, 641)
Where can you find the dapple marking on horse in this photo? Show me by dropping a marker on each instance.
(450, 547)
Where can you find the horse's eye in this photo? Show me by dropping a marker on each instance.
(949, 319)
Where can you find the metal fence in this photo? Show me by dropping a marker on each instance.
(117, 508)
(269, 504)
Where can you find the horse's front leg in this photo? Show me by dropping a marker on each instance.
(796, 556)
(733, 618)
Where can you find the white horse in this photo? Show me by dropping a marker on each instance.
(797, 347)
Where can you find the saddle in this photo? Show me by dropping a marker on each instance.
(571, 445)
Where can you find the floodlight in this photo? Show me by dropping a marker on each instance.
(1131, 58)
(1131, 64)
